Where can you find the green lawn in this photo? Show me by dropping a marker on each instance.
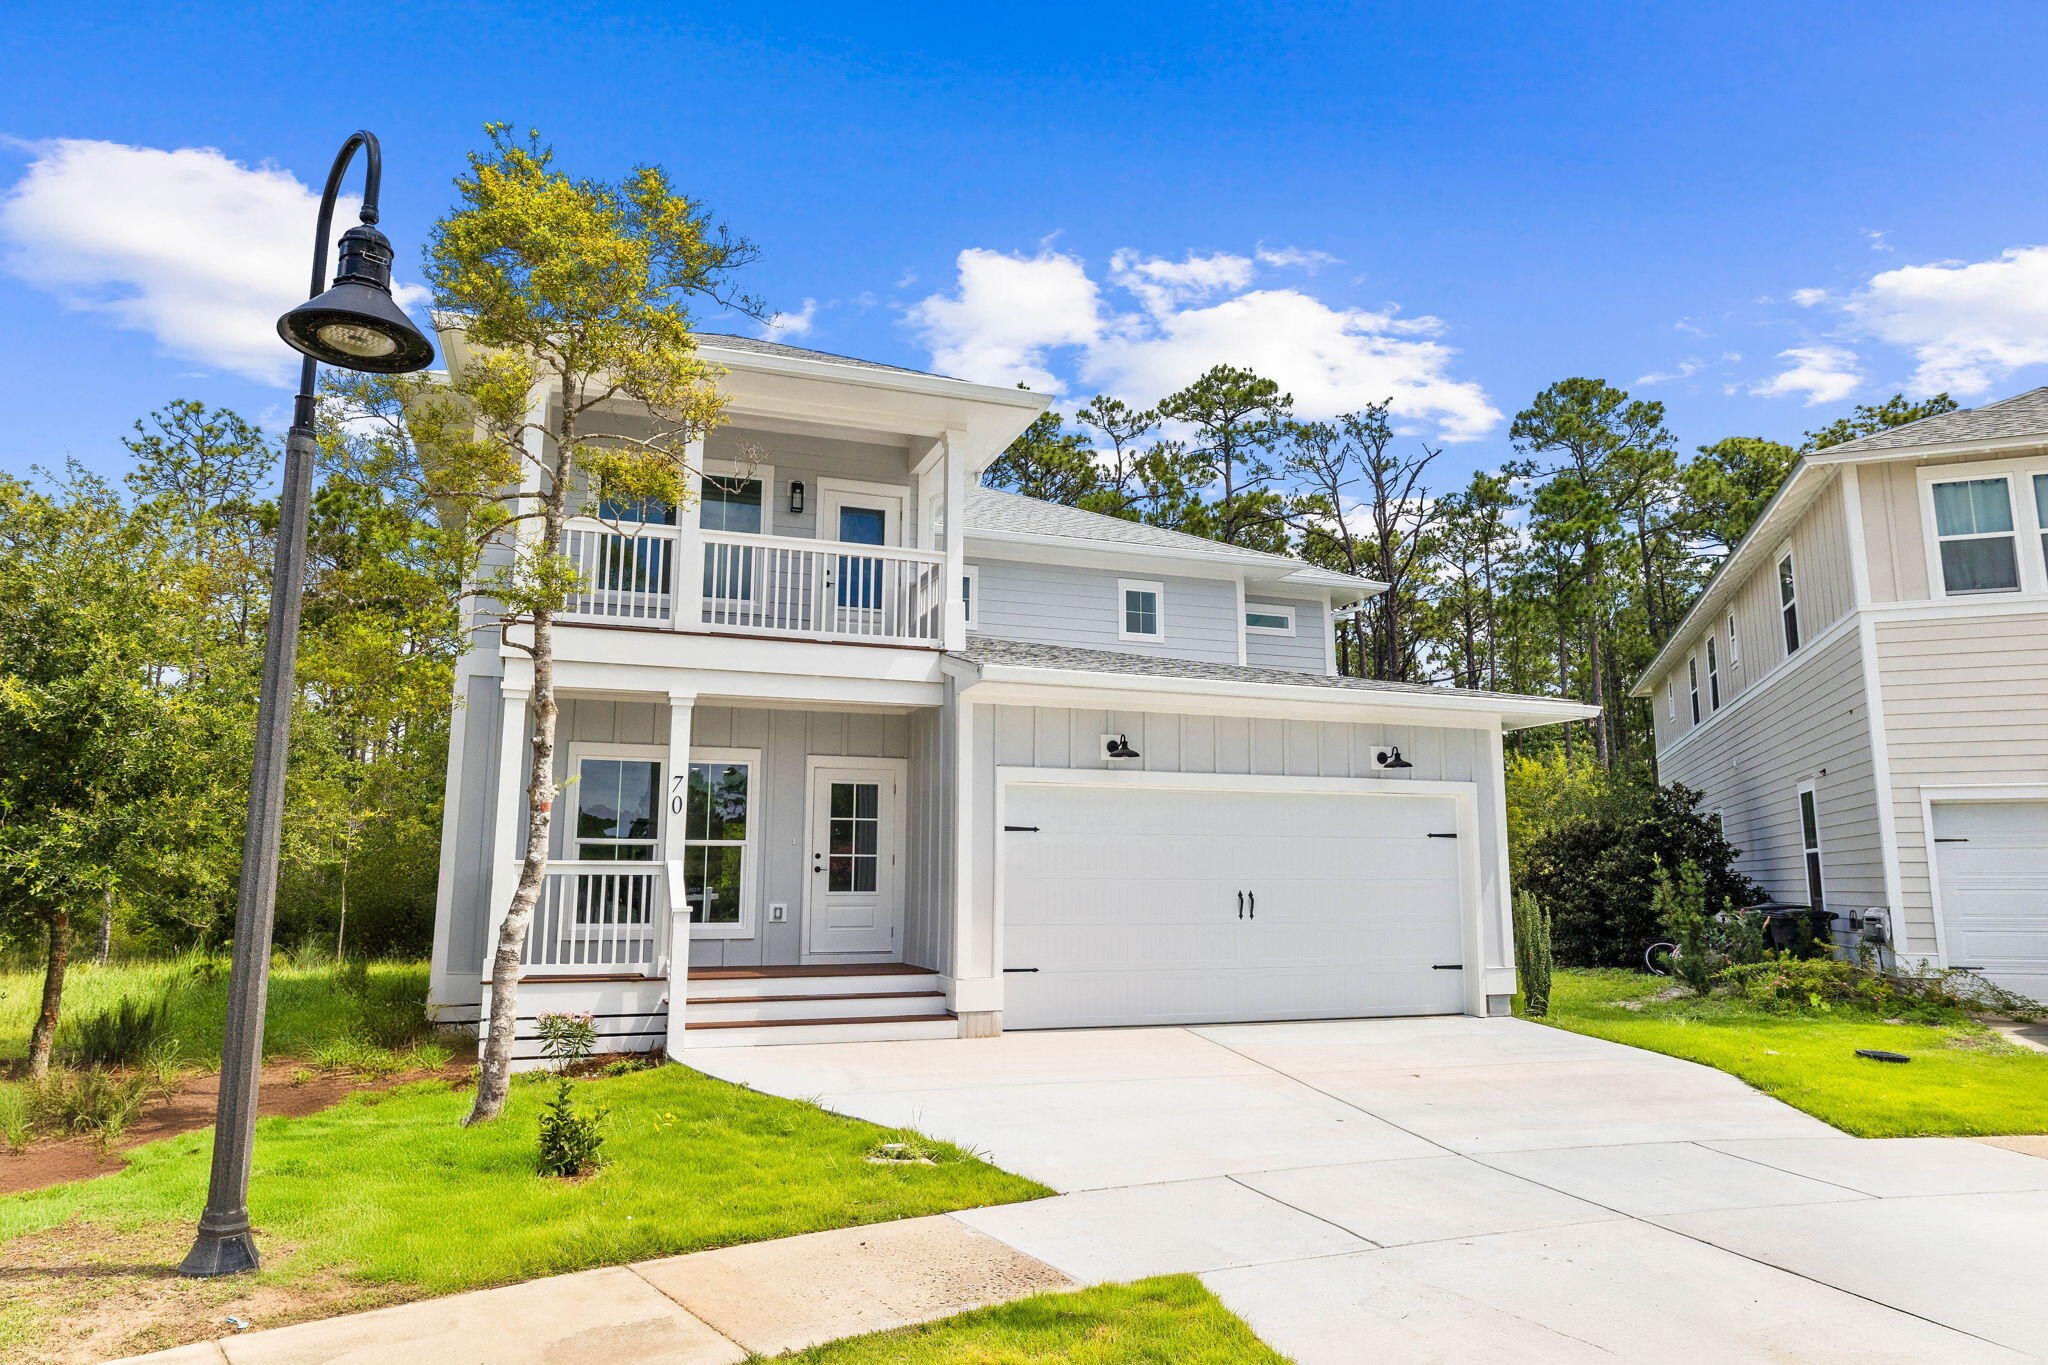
(1167, 1321)
(387, 1190)
(1963, 1080)
(310, 1006)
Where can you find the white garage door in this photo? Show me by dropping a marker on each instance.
(1130, 905)
(1992, 859)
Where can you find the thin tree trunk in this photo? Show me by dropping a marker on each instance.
(45, 1032)
(341, 922)
(1596, 666)
(107, 926)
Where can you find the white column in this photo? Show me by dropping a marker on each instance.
(509, 808)
(1241, 656)
(956, 539)
(455, 807)
(686, 590)
(681, 707)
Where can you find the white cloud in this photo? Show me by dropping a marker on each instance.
(1013, 318)
(1006, 313)
(1807, 298)
(1877, 241)
(1685, 369)
(1307, 258)
(189, 246)
(1968, 324)
(1821, 373)
(783, 326)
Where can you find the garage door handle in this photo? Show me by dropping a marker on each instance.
(1447, 966)
(1020, 969)
(1952, 841)
(1020, 829)
(1240, 905)
(1253, 896)
(1443, 836)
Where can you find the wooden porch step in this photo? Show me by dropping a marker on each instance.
(813, 969)
(689, 1026)
(792, 999)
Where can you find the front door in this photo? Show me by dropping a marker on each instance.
(853, 904)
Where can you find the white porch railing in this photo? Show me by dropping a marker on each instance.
(600, 918)
(779, 585)
(764, 585)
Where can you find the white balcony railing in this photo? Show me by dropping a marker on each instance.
(763, 585)
(600, 918)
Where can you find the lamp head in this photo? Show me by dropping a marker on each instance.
(1392, 759)
(1120, 747)
(355, 325)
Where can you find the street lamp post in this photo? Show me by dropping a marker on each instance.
(354, 325)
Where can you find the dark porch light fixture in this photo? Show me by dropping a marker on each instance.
(353, 325)
(1120, 747)
(796, 496)
(1392, 758)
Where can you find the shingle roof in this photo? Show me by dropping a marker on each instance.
(2024, 414)
(987, 649)
(991, 509)
(729, 342)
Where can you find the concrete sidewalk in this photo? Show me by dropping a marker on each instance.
(707, 1308)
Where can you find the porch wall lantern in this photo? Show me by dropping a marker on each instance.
(1392, 759)
(796, 496)
(352, 324)
(1120, 747)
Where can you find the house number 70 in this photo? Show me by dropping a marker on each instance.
(678, 787)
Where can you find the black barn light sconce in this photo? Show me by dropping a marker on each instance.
(1391, 758)
(796, 497)
(1120, 747)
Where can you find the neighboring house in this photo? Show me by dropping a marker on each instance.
(1861, 692)
(842, 763)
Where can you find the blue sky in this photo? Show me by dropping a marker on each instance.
(1757, 213)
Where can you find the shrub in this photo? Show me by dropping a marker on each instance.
(1706, 941)
(1532, 954)
(571, 1138)
(94, 1102)
(1597, 875)
(122, 1033)
(1818, 985)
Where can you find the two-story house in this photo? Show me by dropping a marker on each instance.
(1861, 692)
(852, 748)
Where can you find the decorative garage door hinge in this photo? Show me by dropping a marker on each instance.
(1447, 966)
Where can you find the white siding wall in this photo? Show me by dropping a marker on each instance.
(1306, 649)
(1965, 702)
(1059, 605)
(809, 458)
(1059, 737)
(1810, 721)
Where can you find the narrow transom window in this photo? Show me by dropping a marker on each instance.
(1788, 603)
(1269, 620)
(1140, 611)
(1973, 523)
(1692, 674)
(1713, 676)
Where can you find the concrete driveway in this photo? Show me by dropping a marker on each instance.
(1424, 1189)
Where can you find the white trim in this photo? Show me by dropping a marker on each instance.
(1084, 550)
(750, 859)
(1465, 795)
(1837, 628)
(894, 497)
(869, 376)
(1873, 697)
(1124, 588)
(892, 841)
(1243, 654)
(1734, 643)
(1268, 609)
(1809, 793)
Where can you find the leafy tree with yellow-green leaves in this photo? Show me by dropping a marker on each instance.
(569, 294)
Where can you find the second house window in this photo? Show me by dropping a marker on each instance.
(1141, 618)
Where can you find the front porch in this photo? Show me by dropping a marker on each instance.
(728, 874)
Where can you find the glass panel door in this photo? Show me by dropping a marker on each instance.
(860, 580)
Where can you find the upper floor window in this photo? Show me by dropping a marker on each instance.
(970, 590)
(1261, 620)
(731, 504)
(1140, 615)
(648, 511)
(1974, 528)
(1788, 602)
(1671, 699)
(1734, 644)
(1713, 676)
(1692, 674)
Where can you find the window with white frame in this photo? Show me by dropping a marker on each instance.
(1671, 698)
(970, 590)
(1713, 676)
(1809, 841)
(1973, 528)
(1260, 619)
(1140, 614)
(1788, 601)
(1692, 675)
(715, 824)
(1734, 644)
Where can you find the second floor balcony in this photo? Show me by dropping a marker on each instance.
(687, 578)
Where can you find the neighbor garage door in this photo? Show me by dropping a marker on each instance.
(1992, 861)
(1160, 905)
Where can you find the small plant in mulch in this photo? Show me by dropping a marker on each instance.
(571, 1135)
